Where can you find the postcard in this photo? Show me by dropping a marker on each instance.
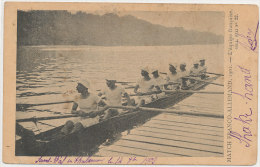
(130, 83)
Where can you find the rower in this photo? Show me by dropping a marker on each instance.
(181, 76)
(202, 69)
(160, 82)
(144, 85)
(172, 78)
(88, 106)
(113, 97)
(194, 72)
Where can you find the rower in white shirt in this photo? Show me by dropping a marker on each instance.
(85, 105)
(182, 74)
(160, 82)
(143, 86)
(203, 69)
(112, 96)
(194, 71)
(172, 78)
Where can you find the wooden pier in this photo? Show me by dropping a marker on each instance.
(171, 135)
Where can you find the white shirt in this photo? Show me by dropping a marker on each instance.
(172, 77)
(145, 86)
(114, 97)
(88, 104)
(194, 71)
(181, 74)
(159, 81)
(203, 69)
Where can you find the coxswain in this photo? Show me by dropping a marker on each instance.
(182, 76)
(202, 69)
(145, 85)
(172, 78)
(160, 82)
(113, 95)
(85, 104)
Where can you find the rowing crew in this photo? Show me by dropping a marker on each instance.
(92, 105)
(175, 79)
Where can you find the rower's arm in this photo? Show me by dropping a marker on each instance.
(74, 108)
(126, 95)
(167, 79)
(136, 88)
(165, 86)
(158, 88)
(101, 103)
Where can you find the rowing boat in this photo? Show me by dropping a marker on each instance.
(87, 141)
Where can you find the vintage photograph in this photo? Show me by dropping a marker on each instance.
(121, 83)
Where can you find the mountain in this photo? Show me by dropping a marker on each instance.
(65, 28)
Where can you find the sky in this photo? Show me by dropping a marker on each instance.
(199, 21)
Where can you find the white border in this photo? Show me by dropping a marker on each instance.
(257, 2)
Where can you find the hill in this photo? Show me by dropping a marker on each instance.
(65, 28)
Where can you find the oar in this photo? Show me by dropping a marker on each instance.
(169, 111)
(144, 94)
(130, 87)
(87, 115)
(176, 91)
(193, 91)
(164, 73)
(35, 119)
(46, 124)
(204, 81)
(121, 82)
(20, 107)
(214, 73)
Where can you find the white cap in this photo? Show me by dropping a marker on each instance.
(111, 77)
(145, 69)
(173, 64)
(111, 80)
(153, 70)
(85, 83)
(195, 62)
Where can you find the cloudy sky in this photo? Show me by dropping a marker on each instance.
(200, 21)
